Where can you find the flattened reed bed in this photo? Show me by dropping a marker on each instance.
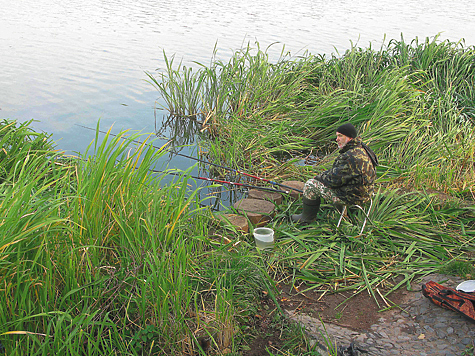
(400, 243)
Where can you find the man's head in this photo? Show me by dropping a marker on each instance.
(344, 134)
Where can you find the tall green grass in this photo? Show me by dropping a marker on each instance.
(413, 102)
(97, 257)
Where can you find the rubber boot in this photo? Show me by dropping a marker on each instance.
(309, 212)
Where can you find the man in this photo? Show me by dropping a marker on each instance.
(349, 181)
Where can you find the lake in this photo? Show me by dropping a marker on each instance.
(69, 63)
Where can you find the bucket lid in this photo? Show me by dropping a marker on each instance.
(467, 286)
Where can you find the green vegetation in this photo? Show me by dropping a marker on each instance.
(459, 268)
(413, 103)
(98, 257)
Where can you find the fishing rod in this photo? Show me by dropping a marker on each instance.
(228, 182)
(224, 182)
(209, 163)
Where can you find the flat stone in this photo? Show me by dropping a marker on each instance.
(295, 184)
(265, 195)
(461, 332)
(423, 308)
(441, 333)
(238, 221)
(419, 318)
(452, 340)
(259, 212)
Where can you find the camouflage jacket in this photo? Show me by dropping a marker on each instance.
(352, 175)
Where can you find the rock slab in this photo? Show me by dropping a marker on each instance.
(238, 221)
(265, 195)
(259, 212)
(295, 184)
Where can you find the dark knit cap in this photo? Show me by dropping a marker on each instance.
(347, 130)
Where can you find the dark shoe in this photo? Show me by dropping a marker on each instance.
(309, 212)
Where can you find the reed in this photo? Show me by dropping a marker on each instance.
(413, 102)
(237, 96)
(97, 256)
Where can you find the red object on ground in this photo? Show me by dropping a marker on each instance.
(450, 298)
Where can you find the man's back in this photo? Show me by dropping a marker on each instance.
(352, 175)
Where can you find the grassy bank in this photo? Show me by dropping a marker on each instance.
(412, 102)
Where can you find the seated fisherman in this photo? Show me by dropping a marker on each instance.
(349, 181)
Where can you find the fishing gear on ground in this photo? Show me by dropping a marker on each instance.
(449, 298)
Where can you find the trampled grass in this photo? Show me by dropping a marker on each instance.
(407, 235)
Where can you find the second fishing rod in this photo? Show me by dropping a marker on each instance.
(209, 163)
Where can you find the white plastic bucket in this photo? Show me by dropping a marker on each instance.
(264, 238)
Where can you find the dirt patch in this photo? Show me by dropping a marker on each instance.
(347, 309)
(267, 326)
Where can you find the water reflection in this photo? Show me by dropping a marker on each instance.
(221, 198)
(178, 130)
(183, 134)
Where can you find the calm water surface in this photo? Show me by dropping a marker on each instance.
(66, 63)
